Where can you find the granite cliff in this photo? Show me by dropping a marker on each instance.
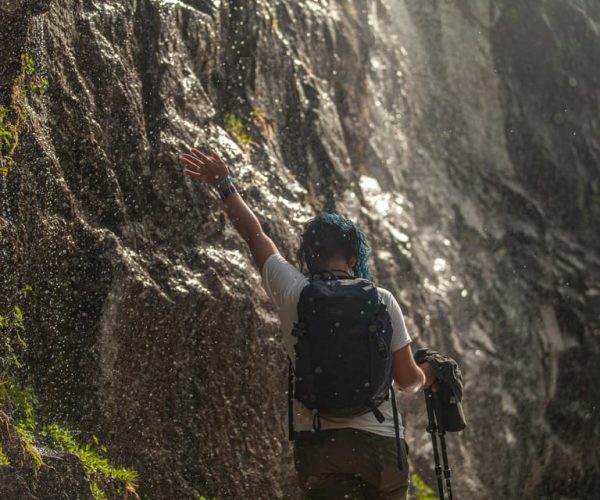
(463, 136)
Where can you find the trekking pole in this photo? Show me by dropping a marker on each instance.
(442, 435)
(432, 428)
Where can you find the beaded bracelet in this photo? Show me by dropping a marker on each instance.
(227, 191)
(224, 181)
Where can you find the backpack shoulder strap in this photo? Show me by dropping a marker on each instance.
(290, 400)
(396, 427)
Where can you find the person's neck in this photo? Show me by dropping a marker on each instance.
(339, 268)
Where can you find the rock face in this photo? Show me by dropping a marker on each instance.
(465, 138)
(59, 475)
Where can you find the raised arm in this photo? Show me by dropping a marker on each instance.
(212, 170)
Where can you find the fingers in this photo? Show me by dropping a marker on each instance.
(191, 173)
(217, 159)
(201, 155)
(193, 167)
(201, 165)
(192, 161)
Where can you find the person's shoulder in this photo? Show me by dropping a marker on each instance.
(279, 272)
(384, 294)
(278, 262)
(274, 258)
(387, 297)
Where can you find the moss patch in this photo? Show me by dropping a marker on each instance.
(103, 475)
(235, 127)
(422, 490)
(12, 113)
(96, 466)
(19, 403)
(3, 458)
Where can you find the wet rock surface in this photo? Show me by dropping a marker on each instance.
(58, 475)
(463, 136)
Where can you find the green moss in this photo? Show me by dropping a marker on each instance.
(422, 490)
(94, 464)
(3, 458)
(23, 404)
(12, 114)
(11, 341)
(97, 492)
(235, 127)
(17, 401)
(28, 445)
(20, 403)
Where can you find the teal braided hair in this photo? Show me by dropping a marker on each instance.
(330, 235)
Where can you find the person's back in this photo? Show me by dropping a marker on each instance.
(347, 456)
(340, 457)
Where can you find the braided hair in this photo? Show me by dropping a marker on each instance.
(332, 235)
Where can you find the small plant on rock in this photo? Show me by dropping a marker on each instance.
(12, 114)
(235, 127)
(19, 403)
(422, 490)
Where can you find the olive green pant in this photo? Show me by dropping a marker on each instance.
(350, 464)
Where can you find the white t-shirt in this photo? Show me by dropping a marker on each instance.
(283, 283)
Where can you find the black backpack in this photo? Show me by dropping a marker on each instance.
(344, 362)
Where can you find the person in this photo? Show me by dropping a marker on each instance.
(353, 457)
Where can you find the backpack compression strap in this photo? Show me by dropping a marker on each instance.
(378, 415)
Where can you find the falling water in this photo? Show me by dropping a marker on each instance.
(462, 136)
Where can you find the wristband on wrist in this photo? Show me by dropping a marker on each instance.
(227, 191)
(224, 181)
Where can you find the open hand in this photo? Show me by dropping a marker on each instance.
(208, 168)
